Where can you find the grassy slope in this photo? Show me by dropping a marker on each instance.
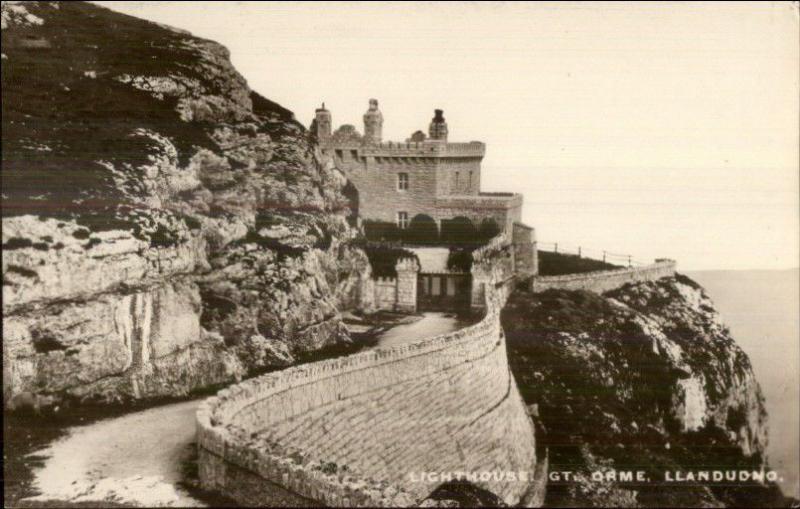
(555, 264)
(49, 101)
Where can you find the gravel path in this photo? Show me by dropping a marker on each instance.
(431, 324)
(137, 459)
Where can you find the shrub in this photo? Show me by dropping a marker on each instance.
(488, 229)
(422, 230)
(382, 231)
(383, 258)
(459, 231)
(459, 259)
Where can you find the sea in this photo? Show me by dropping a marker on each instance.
(762, 310)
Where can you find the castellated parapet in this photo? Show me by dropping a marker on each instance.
(362, 430)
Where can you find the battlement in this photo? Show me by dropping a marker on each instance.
(412, 149)
(422, 178)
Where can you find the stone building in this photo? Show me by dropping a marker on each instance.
(425, 178)
(396, 181)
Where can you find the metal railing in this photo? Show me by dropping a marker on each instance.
(588, 252)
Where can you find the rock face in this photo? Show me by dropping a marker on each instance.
(165, 228)
(645, 377)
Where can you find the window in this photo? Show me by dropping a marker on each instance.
(402, 220)
(451, 287)
(436, 288)
(470, 179)
(339, 154)
(354, 154)
(402, 181)
(456, 180)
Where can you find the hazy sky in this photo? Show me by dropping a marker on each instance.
(660, 130)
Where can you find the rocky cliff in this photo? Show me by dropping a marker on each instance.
(645, 377)
(165, 228)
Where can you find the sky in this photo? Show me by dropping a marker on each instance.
(651, 129)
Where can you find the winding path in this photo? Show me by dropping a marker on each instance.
(139, 459)
(135, 459)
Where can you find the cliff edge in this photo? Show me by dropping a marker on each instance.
(646, 378)
(165, 228)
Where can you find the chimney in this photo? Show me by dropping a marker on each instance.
(373, 123)
(438, 127)
(322, 118)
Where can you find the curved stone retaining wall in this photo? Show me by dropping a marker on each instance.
(370, 429)
(604, 280)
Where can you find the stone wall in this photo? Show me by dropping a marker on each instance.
(458, 176)
(441, 184)
(385, 293)
(376, 178)
(407, 270)
(525, 254)
(491, 263)
(361, 430)
(505, 210)
(397, 294)
(604, 280)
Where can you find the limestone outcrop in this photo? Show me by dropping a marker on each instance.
(165, 228)
(642, 377)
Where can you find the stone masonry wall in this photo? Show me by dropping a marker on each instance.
(360, 430)
(460, 176)
(433, 187)
(375, 178)
(604, 280)
(385, 293)
(398, 294)
(407, 270)
(525, 254)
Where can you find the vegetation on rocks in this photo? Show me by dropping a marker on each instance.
(166, 225)
(645, 377)
(556, 264)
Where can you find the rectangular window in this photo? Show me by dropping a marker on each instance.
(451, 286)
(402, 181)
(470, 179)
(402, 220)
(456, 181)
(436, 286)
(354, 154)
(339, 154)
